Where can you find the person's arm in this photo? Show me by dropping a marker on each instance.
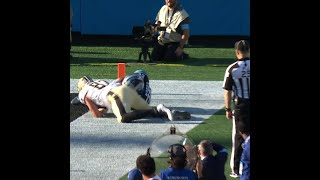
(227, 101)
(217, 147)
(116, 82)
(102, 109)
(184, 38)
(119, 80)
(93, 108)
(222, 152)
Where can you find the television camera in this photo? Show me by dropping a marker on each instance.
(145, 36)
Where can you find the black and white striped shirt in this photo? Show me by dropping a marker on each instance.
(237, 78)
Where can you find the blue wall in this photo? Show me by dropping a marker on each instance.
(117, 17)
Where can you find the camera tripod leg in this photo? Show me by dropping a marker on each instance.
(149, 57)
(139, 60)
(144, 57)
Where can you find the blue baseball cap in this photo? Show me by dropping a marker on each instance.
(135, 174)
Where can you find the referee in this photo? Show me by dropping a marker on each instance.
(236, 87)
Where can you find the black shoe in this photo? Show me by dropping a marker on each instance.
(178, 115)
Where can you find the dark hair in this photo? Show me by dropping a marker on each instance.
(242, 46)
(178, 156)
(146, 164)
(177, 150)
(244, 127)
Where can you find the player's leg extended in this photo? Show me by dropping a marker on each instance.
(138, 103)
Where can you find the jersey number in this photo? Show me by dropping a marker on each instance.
(97, 85)
(245, 73)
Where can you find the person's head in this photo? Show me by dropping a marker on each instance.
(205, 148)
(83, 81)
(171, 3)
(146, 165)
(178, 156)
(244, 128)
(242, 49)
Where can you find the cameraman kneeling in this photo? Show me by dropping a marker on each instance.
(173, 25)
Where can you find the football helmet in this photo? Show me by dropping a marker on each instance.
(134, 81)
(139, 71)
(142, 87)
(83, 81)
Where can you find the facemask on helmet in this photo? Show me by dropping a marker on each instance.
(83, 81)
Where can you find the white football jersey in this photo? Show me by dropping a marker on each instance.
(97, 91)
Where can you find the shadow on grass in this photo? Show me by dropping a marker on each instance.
(207, 62)
(214, 62)
(90, 61)
(83, 52)
(222, 41)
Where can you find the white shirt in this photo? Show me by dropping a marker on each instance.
(156, 177)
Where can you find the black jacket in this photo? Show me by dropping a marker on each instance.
(213, 166)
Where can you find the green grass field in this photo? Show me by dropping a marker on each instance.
(205, 64)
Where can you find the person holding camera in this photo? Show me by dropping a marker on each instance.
(172, 23)
(213, 158)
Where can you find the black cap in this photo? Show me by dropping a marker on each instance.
(177, 150)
